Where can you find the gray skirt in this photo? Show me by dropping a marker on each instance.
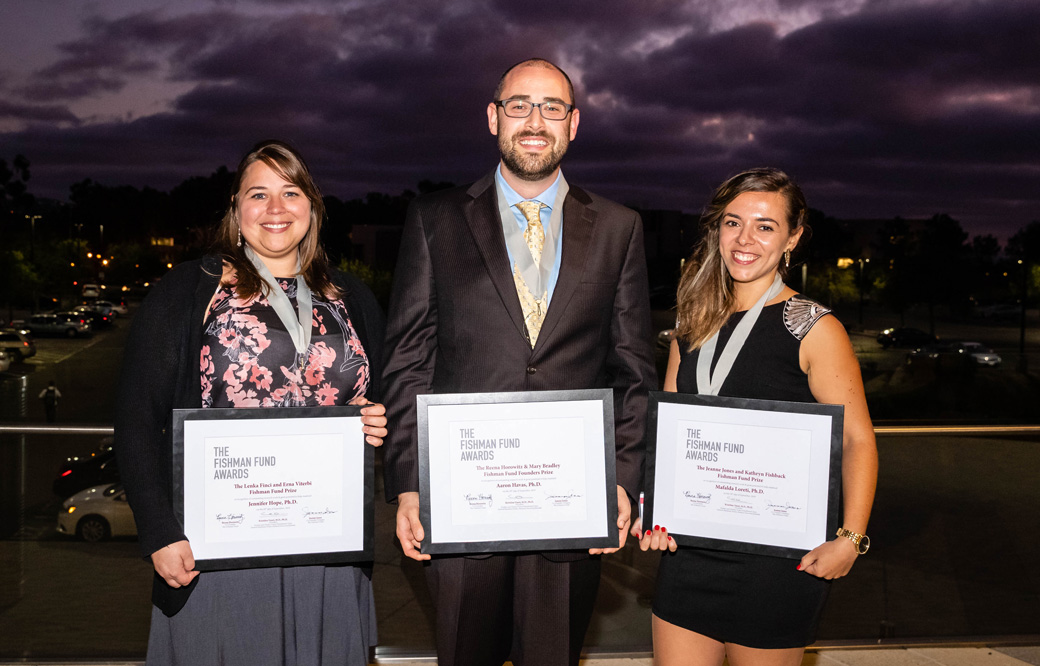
(295, 616)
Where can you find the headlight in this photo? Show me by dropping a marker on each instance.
(71, 509)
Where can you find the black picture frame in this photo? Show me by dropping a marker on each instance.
(431, 543)
(246, 561)
(754, 543)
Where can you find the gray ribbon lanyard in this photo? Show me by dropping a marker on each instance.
(707, 384)
(298, 323)
(535, 277)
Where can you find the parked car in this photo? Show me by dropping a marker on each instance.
(905, 337)
(999, 311)
(97, 513)
(90, 290)
(978, 353)
(79, 472)
(5, 361)
(117, 308)
(18, 345)
(664, 339)
(69, 324)
(97, 317)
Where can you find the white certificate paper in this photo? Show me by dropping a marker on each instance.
(742, 474)
(269, 487)
(526, 471)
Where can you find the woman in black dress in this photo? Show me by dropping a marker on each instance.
(264, 322)
(755, 609)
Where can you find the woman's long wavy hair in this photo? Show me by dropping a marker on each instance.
(705, 298)
(314, 264)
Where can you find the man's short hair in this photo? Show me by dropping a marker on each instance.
(535, 62)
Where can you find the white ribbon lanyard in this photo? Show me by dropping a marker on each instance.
(298, 323)
(710, 385)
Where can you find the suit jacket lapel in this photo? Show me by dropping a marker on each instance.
(481, 213)
(578, 219)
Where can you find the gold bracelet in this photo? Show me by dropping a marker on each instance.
(862, 541)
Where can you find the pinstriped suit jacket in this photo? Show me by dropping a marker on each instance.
(455, 322)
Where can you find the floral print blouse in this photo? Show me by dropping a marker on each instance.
(248, 358)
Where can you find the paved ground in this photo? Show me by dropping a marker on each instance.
(916, 656)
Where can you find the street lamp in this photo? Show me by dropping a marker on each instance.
(32, 235)
(862, 261)
(1023, 363)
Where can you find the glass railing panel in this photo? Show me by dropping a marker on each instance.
(953, 557)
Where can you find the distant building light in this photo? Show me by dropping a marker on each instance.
(844, 262)
(166, 242)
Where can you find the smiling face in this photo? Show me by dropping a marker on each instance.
(533, 147)
(753, 235)
(274, 215)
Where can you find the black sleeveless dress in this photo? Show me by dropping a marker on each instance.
(752, 600)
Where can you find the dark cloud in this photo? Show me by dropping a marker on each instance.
(891, 110)
(35, 113)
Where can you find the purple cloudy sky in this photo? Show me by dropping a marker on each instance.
(878, 107)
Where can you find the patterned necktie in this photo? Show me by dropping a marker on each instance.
(533, 308)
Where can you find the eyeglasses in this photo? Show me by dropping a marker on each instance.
(521, 108)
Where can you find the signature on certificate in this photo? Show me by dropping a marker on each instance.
(782, 508)
(479, 500)
(697, 499)
(318, 517)
(562, 499)
(230, 518)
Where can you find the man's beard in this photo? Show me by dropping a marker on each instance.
(531, 167)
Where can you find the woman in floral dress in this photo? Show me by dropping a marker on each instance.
(226, 331)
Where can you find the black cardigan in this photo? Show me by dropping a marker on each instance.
(161, 373)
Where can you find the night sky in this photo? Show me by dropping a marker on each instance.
(877, 107)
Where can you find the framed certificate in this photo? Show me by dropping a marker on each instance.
(273, 486)
(754, 476)
(517, 471)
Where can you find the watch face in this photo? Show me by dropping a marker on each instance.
(864, 545)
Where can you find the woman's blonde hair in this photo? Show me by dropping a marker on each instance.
(705, 297)
(285, 161)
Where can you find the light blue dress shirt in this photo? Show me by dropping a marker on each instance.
(547, 199)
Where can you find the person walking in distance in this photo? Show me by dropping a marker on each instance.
(50, 397)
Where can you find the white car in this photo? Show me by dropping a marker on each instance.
(90, 290)
(114, 307)
(982, 354)
(97, 513)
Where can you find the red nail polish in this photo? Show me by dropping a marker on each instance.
(669, 538)
(648, 532)
(799, 567)
(657, 527)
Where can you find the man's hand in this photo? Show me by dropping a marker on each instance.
(624, 521)
(174, 564)
(409, 530)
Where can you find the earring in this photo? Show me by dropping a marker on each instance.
(787, 259)
(240, 237)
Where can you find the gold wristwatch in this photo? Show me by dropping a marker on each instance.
(862, 541)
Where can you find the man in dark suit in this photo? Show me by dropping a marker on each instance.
(518, 282)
